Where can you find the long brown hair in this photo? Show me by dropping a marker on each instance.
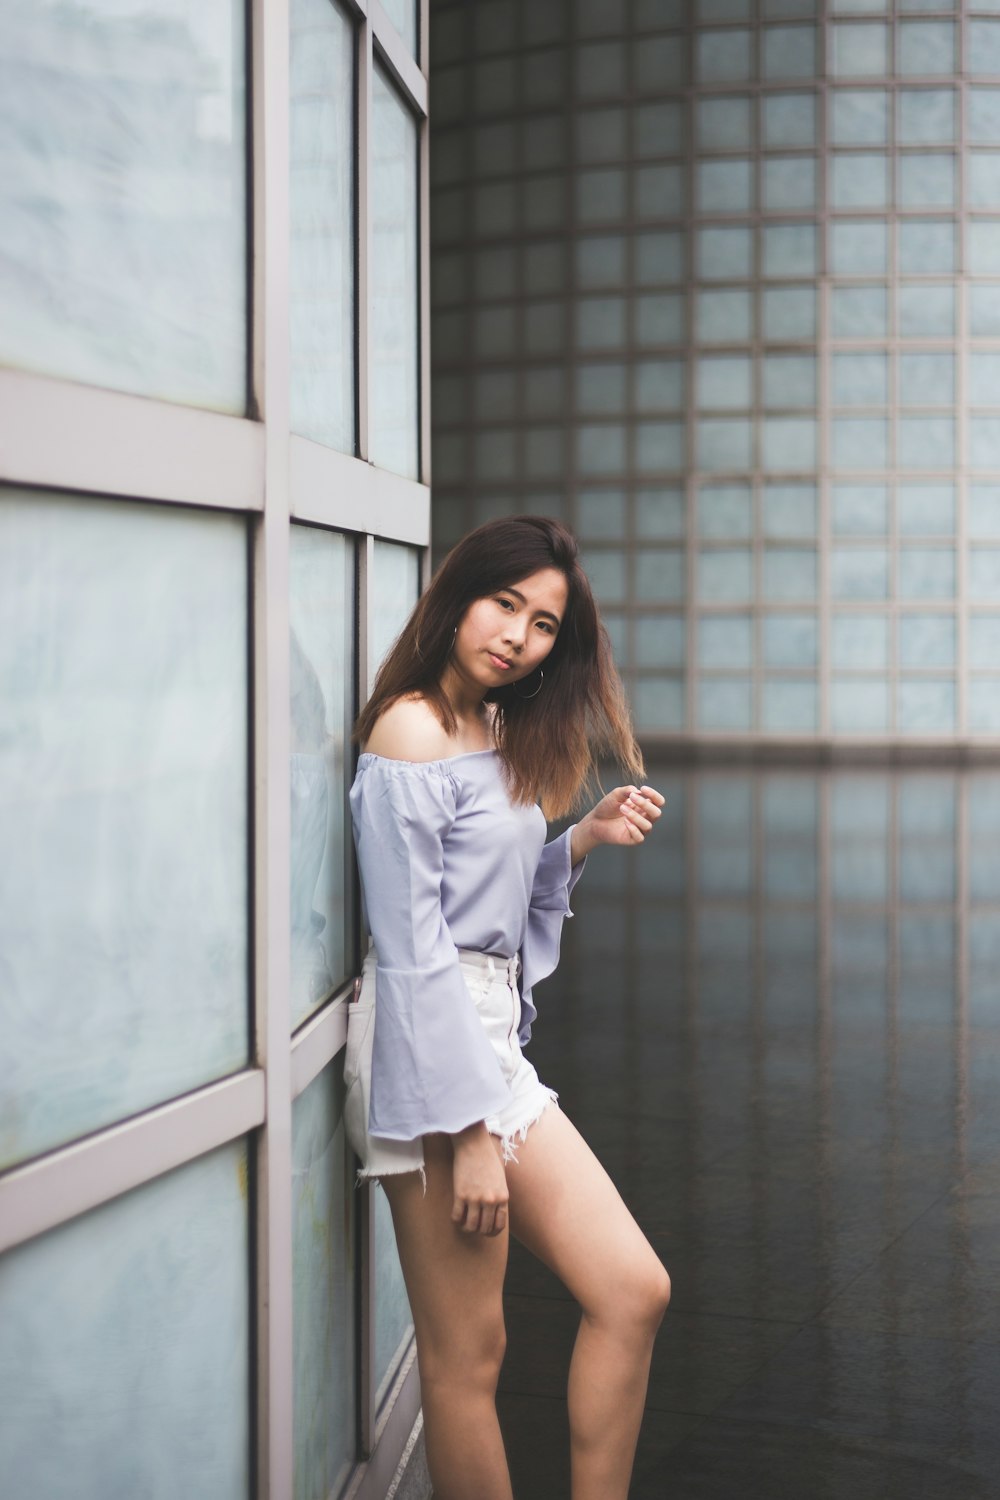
(548, 742)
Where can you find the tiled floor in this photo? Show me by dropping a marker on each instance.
(778, 1025)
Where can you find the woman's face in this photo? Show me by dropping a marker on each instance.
(507, 635)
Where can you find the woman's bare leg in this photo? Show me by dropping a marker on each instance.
(567, 1211)
(454, 1281)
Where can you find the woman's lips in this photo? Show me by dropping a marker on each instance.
(499, 662)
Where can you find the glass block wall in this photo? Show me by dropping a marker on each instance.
(718, 282)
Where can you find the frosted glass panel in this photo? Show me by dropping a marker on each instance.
(788, 120)
(125, 1360)
(724, 317)
(859, 117)
(926, 573)
(725, 381)
(859, 573)
(725, 576)
(723, 124)
(859, 642)
(789, 183)
(788, 510)
(860, 508)
(393, 1320)
(123, 719)
(984, 510)
(926, 246)
(983, 169)
(925, 47)
(789, 706)
(926, 379)
(659, 514)
(723, 444)
(984, 309)
(790, 641)
(984, 573)
(789, 574)
(926, 641)
(600, 389)
(926, 707)
(659, 385)
(395, 587)
(858, 248)
(859, 442)
(725, 641)
(659, 445)
(403, 15)
(394, 290)
(859, 180)
(659, 641)
(123, 197)
(984, 642)
(928, 181)
(789, 379)
(321, 605)
(788, 443)
(859, 379)
(927, 117)
(659, 704)
(659, 576)
(724, 186)
(725, 511)
(788, 52)
(788, 312)
(789, 249)
(321, 246)
(925, 442)
(725, 254)
(323, 1281)
(659, 257)
(926, 509)
(983, 247)
(724, 703)
(984, 442)
(859, 706)
(659, 320)
(722, 56)
(659, 192)
(983, 118)
(927, 311)
(860, 49)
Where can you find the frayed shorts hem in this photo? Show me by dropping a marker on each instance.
(507, 1141)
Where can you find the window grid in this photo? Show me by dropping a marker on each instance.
(255, 465)
(914, 425)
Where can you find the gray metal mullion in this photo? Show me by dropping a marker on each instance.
(363, 166)
(272, 747)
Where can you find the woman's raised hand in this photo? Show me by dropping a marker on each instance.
(480, 1183)
(623, 817)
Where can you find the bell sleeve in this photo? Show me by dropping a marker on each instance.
(433, 1067)
(555, 879)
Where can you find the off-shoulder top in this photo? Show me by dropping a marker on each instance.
(447, 862)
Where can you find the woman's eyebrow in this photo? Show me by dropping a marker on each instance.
(518, 595)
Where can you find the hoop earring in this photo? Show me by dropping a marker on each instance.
(538, 689)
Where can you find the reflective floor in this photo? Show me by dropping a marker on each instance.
(778, 1025)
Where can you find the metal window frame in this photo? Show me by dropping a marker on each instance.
(112, 444)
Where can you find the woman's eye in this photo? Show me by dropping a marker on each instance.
(506, 603)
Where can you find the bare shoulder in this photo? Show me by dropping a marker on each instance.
(410, 730)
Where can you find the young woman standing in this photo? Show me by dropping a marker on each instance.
(498, 692)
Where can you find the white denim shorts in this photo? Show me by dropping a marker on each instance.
(492, 986)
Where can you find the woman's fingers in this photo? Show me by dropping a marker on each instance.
(479, 1218)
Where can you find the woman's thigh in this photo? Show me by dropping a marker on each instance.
(454, 1280)
(566, 1210)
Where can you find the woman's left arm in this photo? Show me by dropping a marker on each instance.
(623, 817)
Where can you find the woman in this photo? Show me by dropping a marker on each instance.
(492, 700)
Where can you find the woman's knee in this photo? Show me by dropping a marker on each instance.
(469, 1356)
(637, 1297)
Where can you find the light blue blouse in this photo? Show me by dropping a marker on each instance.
(448, 862)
